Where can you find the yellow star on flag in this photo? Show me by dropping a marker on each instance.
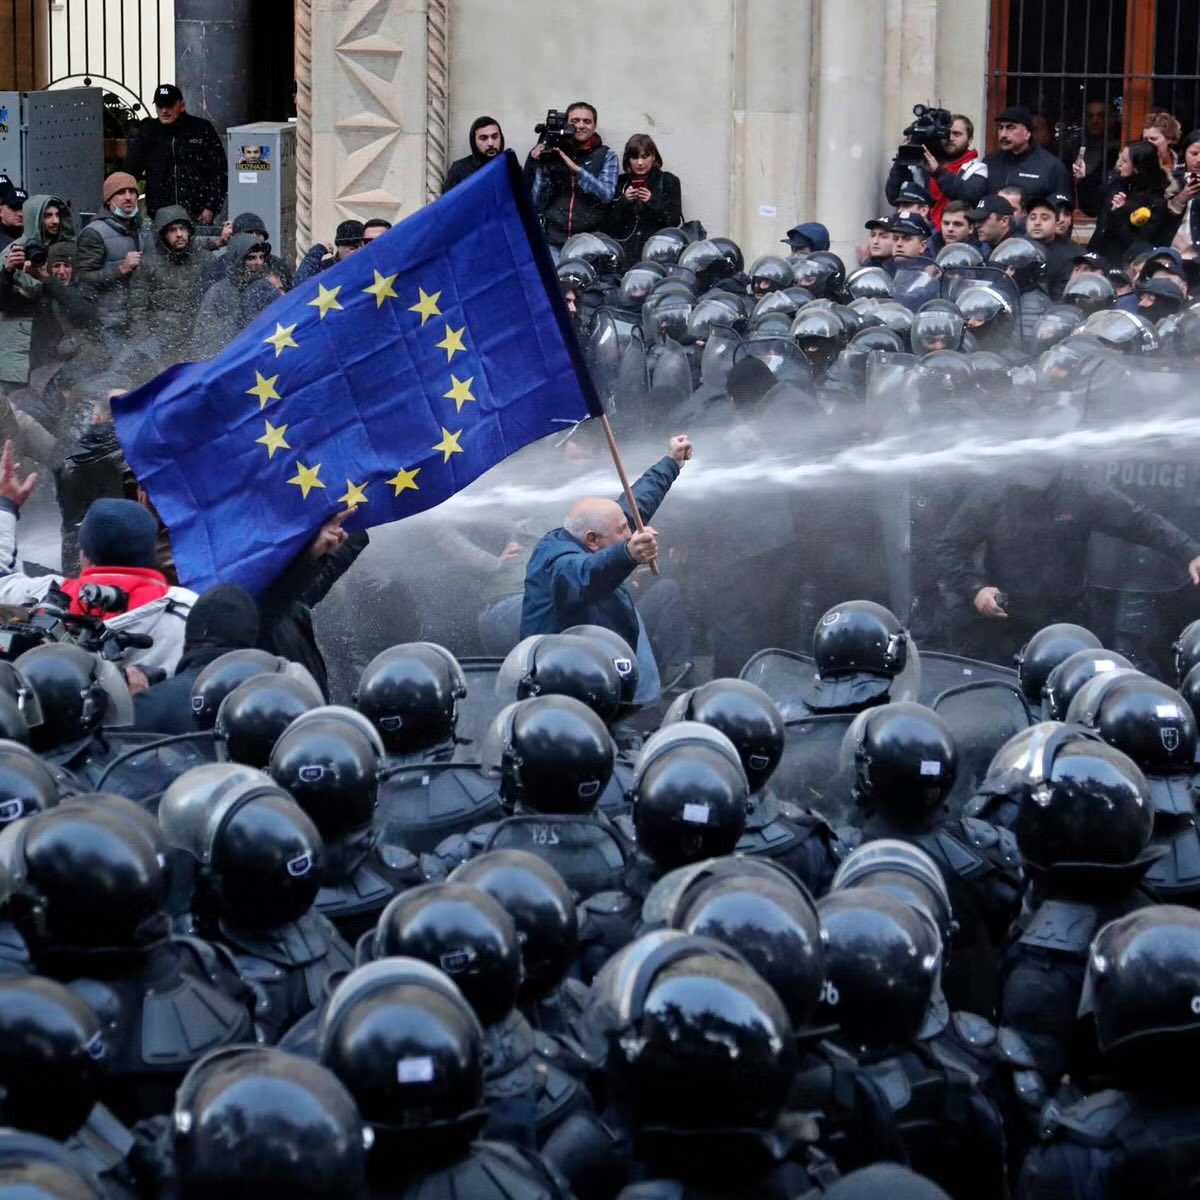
(449, 444)
(382, 289)
(282, 338)
(264, 389)
(327, 298)
(427, 305)
(452, 343)
(273, 439)
(460, 392)
(306, 478)
(355, 495)
(404, 480)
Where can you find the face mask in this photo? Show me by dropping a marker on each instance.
(125, 213)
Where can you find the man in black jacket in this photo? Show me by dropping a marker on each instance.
(574, 185)
(1019, 163)
(182, 158)
(487, 141)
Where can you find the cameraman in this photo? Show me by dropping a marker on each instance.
(950, 171)
(574, 182)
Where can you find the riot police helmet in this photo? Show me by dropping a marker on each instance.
(716, 310)
(665, 246)
(707, 261)
(52, 1053)
(462, 931)
(552, 754)
(958, 254)
(883, 963)
(1022, 259)
(541, 905)
(216, 680)
(936, 329)
(770, 273)
(1186, 650)
(251, 718)
(787, 301)
(869, 283)
(562, 664)
(1187, 332)
(690, 795)
(903, 760)
(894, 316)
(250, 1121)
(990, 369)
(1089, 293)
(619, 650)
(666, 313)
(15, 687)
(1051, 645)
(637, 283)
(732, 252)
(350, 716)
(331, 770)
(1122, 331)
(820, 334)
(26, 784)
(1057, 322)
(989, 315)
(69, 686)
(872, 338)
(410, 693)
(1065, 680)
(863, 655)
(745, 714)
(600, 251)
(822, 272)
(576, 271)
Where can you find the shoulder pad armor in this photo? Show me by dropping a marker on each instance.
(1063, 926)
(192, 1018)
(1094, 1120)
(979, 834)
(976, 1031)
(1014, 1049)
(396, 858)
(1179, 869)
(609, 904)
(958, 856)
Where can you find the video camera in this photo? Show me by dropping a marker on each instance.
(52, 621)
(930, 129)
(556, 132)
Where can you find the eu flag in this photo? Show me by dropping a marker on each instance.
(385, 384)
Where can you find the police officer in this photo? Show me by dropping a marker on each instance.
(259, 860)
(1051, 645)
(904, 763)
(252, 717)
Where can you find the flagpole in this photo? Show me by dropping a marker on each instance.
(625, 484)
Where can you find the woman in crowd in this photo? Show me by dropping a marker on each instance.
(648, 198)
(1134, 205)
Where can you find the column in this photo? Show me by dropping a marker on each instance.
(214, 59)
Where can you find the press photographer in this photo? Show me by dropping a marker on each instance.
(574, 173)
(936, 154)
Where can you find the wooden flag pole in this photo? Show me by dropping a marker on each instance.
(638, 524)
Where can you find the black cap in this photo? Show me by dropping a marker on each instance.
(910, 223)
(1090, 257)
(878, 223)
(912, 192)
(1050, 202)
(990, 205)
(166, 94)
(13, 196)
(349, 233)
(1016, 114)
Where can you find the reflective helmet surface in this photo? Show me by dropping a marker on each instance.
(410, 694)
(562, 664)
(253, 715)
(1051, 645)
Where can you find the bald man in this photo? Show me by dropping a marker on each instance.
(577, 572)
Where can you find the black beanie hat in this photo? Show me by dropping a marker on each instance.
(225, 615)
(119, 533)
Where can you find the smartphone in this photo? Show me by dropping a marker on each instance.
(1192, 178)
(637, 183)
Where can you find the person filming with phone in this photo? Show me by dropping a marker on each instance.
(1183, 211)
(647, 199)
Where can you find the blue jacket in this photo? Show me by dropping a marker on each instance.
(566, 584)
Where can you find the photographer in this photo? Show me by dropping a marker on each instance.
(574, 174)
(648, 198)
(947, 167)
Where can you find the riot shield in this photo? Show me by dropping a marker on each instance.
(915, 281)
(670, 381)
(603, 352)
(810, 772)
(420, 805)
(785, 676)
(940, 672)
(717, 357)
(141, 766)
(956, 280)
(478, 708)
(982, 716)
(633, 388)
(886, 409)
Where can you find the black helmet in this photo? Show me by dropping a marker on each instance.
(331, 770)
(745, 714)
(1186, 650)
(349, 716)
(958, 254)
(822, 272)
(903, 759)
(561, 664)
(551, 754)
(15, 687)
(1051, 645)
(637, 283)
(770, 273)
(767, 916)
(619, 650)
(1189, 689)
(731, 250)
(251, 1121)
(1057, 322)
(874, 337)
(991, 369)
(707, 261)
(51, 1057)
(883, 963)
(70, 693)
(870, 283)
(461, 931)
(690, 795)
(944, 373)
(596, 249)
(703, 1044)
(1021, 259)
(83, 876)
(863, 655)
(820, 334)
(718, 310)
(406, 1043)
(537, 898)
(1141, 988)
(989, 315)
(665, 246)
(410, 693)
(251, 718)
(1124, 331)
(904, 871)
(13, 726)
(26, 784)
(1064, 681)
(576, 271)
(222, 675)
(1187, 332)
(262, 855)
(1081, 803)
(1090, 293)
(935, 329)
(29, 1173)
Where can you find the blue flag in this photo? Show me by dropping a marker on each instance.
(386, 384)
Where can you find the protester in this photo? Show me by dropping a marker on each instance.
(1134, 206)
(647, 197)
(107, 253)
(486, 140)
(350, 236)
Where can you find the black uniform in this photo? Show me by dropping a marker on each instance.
(184, 164)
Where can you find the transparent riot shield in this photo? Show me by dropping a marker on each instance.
(670, 381)
(603, 352)
(717, 356)
(141, 766)
(940, 672)
(633, 388)
(478, 708)
(915, 281)
(810, 773)
(785, 676)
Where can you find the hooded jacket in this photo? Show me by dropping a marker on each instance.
(247, 222)
(184, 164)
(464, 168)
(220, 315)
(167, 288)
(28, 304)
